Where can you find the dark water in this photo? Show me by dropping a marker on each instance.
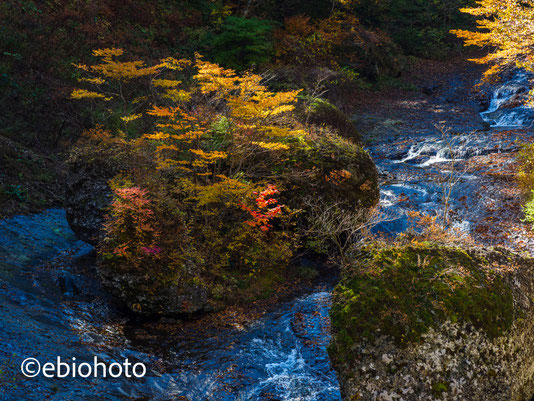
(51, 304)
(50, 307)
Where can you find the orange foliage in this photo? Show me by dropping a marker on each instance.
(267, 208)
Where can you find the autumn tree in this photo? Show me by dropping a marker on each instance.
(208, 192)
(507, 28)
(213, 141)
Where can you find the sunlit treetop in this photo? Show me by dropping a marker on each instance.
(506, 27)
(255, 116)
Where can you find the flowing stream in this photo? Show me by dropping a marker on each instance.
(52, 305)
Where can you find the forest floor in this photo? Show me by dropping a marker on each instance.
(429, 93)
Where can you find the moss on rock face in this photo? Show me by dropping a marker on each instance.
(427, 320)
(403, 291)
(334, 170)
(322, 113)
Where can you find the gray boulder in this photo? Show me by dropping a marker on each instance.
(428, 322)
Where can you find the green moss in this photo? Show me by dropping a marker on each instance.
(321, 157)
(403, 291)
(323, 113)
(439, 388)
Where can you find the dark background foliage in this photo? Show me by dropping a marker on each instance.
(39, 40)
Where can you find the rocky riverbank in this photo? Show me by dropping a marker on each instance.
(450, 359)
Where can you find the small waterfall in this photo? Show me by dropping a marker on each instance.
(507, 106)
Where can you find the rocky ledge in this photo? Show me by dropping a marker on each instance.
(429, 322)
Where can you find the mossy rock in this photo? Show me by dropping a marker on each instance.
(219, 266)
(322, 113)
(163, 292)
(403, 291)
(407, 317)
(333, 170)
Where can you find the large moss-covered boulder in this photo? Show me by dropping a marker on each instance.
(158, 255)
(429, 322)
(187, 272)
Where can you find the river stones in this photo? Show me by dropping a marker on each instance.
(431, 322)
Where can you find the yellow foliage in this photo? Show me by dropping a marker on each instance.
(271, 145)
(108, 53)
(85, 94)
(177, 95)
(228, 191)
(125, 70)
(96, 81)
(182, 132)
(157, 136)
(174, 64)
(206, 158)
(166, 83)
(213, 78)
(131, 117)
(507, 26)
(120, 70)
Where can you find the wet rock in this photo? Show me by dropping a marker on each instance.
(483, 101)
(465, 332)
(431, 89)
(507, 105)
(150, 296)
(67, 284)
(88, 196)
(485, 126)
(516, 100)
